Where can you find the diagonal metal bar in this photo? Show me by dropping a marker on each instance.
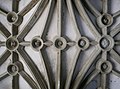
(4, 31)
(33, 68)
(85, 17)
(4, 75)
(33, 20)
(72, 15)
(116, 73)
(29, 80)
(3, 12)
(29, 7)
(89, 78)
(91, 7)
(4, 56)
(47, 68)
(116, 14)
(70, 74)
(115, 55)
(85, 68)
(105, 6)
(115, 31)
(49, 18)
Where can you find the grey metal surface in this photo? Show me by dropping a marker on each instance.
(59, 44)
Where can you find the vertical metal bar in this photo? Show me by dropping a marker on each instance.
(103, 81)
(103, 75)
(105, 6)
(15, 80)
(15, 57)
(58, 71)
(59, 30)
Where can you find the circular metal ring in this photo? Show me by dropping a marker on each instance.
(106, 43)
(12, 43)
(104, 66)
(37, 43)
(83, 43)
(60, 43)
(104, 20)
(14, 68)
(14, 18)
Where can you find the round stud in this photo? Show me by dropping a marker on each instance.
(104, 66)
(104, 20)
(106, 43)
(60, 43)
(14, 68)
(83, 43)
(14, 18)
(37, 43)
(12, 43)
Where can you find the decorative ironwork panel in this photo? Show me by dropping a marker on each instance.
(59, 44)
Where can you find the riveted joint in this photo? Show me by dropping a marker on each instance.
(14, 68)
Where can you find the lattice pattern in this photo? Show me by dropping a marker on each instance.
(104, 44)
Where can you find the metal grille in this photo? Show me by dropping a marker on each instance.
(89, 30)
